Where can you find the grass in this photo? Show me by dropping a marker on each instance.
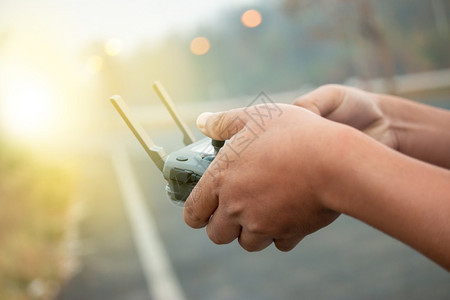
(35, 209)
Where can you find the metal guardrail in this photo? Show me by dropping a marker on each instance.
(156, 115)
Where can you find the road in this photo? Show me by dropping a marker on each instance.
(346, 260)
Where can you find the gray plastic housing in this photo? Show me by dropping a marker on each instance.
(184, 168)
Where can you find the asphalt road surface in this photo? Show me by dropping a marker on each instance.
(346, 260)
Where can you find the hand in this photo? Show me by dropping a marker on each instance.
(265, 184)
(352, 107)
(286, 172)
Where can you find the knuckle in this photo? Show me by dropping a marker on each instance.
(256, 227)
(248, 247)
(284, 248)
(286, 245)
(216, 238)
(233, 210)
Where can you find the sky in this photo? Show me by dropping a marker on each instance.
(78, 22)
(46, 82)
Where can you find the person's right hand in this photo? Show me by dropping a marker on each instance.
(352, 107)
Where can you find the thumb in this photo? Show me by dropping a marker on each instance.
(308, 103)
(323, 100)
(222, 125)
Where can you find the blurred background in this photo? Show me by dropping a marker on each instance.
(83, 211)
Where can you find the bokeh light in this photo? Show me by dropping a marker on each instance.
(114, 46)
(251, 18)
(200, 46)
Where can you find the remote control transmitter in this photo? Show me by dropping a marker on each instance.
(182, 169)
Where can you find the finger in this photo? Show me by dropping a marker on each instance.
(221, 228)
(222, 125)
(201, 203)
(323, 100)
(287, 244)
(253, 241)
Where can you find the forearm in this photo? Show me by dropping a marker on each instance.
(421, 131)
(401, 196)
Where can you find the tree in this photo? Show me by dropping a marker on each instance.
(369, 36)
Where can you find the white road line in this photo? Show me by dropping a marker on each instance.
(161, 279)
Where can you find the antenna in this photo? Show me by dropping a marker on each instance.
(156, 153)
(188, 137)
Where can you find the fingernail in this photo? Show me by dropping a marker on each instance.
(201, 120)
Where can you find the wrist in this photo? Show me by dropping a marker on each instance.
(352, 170)
(336, 168)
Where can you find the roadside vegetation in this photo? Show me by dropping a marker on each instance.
(35, 225)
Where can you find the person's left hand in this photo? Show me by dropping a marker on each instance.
(268, 182)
